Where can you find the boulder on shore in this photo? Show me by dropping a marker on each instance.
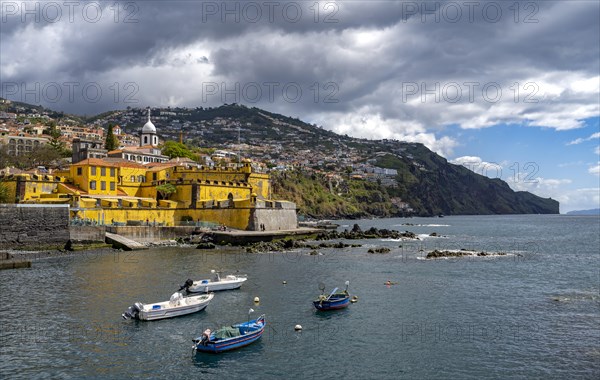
(435, 254)
(371, 233)
(205, 246)
(379, 250)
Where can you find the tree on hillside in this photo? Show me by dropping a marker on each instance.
(51, 128)
(44, 155)
(3, 193)
(55, 142)
(5, 159)
(173, 149)
(111, 142)
(165, 190)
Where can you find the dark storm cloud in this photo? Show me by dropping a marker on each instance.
(361, 56)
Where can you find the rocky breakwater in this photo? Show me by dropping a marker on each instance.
(372, 233)
(437, 254)
(288, 244)
(355, 234)
(379, 250)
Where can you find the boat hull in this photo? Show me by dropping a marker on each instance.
(214, 286)
(250, 336)
(169, 309)
(153, 315)
(228, 346)
(332, 304)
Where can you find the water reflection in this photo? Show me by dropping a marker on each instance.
(206, 360)
(340, 315)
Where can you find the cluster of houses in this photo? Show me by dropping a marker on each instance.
(137, 184)
(331, 155)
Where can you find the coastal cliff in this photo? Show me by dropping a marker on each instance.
(443, 189)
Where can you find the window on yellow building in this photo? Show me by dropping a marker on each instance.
(92, 185)
(112, 186)
(93, 168)
(79, 171)
(112, 172)
(141, 178)
(102, 171)
(132, 178)
(102, 185)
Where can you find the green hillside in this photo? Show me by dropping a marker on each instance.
(316, 197)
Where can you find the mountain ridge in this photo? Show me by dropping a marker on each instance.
(424, 183)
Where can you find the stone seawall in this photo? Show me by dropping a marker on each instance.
(273, 219)
(34, 227)
(87, 234)
(149, 234)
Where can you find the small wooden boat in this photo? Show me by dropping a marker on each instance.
(229, 338)
(177, 305)
(335, 300)
(217, 283)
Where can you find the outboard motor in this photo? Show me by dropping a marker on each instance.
(186, 285)
(133, 311)
(205, 337)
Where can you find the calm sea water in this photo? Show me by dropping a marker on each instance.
(534, 313)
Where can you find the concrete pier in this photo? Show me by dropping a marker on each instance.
(7, 261)
(119, 241)
(14, 264)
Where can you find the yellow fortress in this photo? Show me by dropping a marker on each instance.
(118, 191)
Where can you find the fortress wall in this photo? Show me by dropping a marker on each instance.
(144, 234)
(237, 218)
(29, 226)
(274, 219)
(86, 234)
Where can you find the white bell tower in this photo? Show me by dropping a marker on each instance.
(148, 136)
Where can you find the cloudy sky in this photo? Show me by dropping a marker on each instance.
(508, 89)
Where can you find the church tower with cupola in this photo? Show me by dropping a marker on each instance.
(149, 136)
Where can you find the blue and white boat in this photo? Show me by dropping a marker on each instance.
(230, 337)
(335, 300)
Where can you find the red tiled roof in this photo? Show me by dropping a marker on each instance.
(161, 165)
(94, 161)
(129, 164)
(73, 188)
(110, 162)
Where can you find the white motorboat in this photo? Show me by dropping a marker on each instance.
(214, 284)
(177, 305)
